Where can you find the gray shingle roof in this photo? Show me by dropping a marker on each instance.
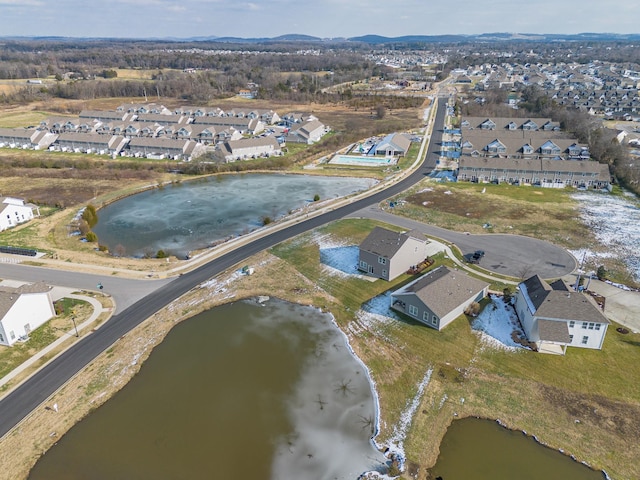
(553, 331)
(386, 243)
(443, 290)
(10, 295)
(561, 303)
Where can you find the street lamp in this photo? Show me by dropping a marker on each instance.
(73, 319)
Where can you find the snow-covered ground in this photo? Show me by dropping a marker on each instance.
(338, 258)
(615, 221)
(498, 323)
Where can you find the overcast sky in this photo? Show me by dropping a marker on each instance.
(320, 18)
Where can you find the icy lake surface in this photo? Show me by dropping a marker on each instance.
(196, 214)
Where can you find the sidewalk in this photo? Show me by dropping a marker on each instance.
(56, 294)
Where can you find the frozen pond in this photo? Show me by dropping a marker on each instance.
(240, 391)
(198, 214)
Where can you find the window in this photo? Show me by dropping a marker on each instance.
(384, 273)
(382, 260)
(584, 325)
(434, 320)
(572, 324)
(413, 310)
(27, 328)
(425, 316)
(12, 335)
(363, 264)
(597, 326)
(585, 340)
(570, 338)
(1, 338)
(591, 325)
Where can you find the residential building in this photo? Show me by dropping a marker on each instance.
(246, 148)
(555, 317)
(387, 254)
(22, 310)
(26, 138)
(394, 144)
(308, 132)
(439, 296)
(13, 211)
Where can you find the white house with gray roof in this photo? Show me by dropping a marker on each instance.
(13, 211)
(555, 317)
(387, 254)
(22, 310)
(439, 296)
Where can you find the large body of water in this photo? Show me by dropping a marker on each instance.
(196, 214)
(240, 391)
(475, 449)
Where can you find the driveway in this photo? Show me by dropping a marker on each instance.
(513, 255)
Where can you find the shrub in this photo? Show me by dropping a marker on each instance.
(161, 254)
(316, 197)
(507, 294)
(91, 237)
(601, 273)
(266, 220)
(473, 309)
(90, 215)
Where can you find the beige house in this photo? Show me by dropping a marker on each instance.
(387, 254)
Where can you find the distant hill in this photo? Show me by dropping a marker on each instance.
(371, 39)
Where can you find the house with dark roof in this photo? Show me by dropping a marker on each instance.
(22, 310)
(555, 317)
(387, 254)
(439, 296)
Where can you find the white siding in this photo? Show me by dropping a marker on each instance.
(31, 311)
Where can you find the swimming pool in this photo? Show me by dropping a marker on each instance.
(362, 160)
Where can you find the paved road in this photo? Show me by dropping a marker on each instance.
(28, 396)
(125, 291)
(513, 255)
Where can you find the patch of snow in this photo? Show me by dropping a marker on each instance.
(448, 192)
(400, 430)
(426, 190)
(496, 324)
(615, 221)
(374, 316)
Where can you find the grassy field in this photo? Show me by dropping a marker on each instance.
(587, 402)
(544, 213)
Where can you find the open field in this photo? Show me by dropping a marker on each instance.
(543, 213)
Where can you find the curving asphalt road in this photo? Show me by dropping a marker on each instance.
(29, 395)
(513, 255)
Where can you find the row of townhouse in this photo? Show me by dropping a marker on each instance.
(538, 172)
(154, 131)
(529, 151)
